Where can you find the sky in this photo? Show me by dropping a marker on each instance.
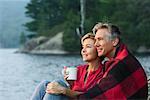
(12, 11)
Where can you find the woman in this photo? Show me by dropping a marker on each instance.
(87, 76)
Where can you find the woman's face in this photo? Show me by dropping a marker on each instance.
(88, 51)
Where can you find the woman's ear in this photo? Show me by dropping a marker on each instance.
(115, 42)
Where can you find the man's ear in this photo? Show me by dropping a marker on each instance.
(115, 42)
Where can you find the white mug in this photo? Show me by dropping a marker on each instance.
(71, 72)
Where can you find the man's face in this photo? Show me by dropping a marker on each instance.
(104, 44)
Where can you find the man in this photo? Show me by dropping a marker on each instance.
(124, 77)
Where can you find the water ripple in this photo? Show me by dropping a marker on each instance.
(20, 73)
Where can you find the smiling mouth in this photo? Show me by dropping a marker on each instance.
(100, 49)
(85, 55)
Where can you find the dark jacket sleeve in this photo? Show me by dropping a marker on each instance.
(122, 81)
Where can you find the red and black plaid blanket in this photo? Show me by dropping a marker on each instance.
(124, 78)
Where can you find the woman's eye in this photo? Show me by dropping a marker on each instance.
(89, 46)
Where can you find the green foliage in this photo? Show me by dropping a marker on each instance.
(50, 16)
(22, 38)
(45, 15)
(56, 29)
(71, 42)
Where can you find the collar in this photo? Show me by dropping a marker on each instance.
(121, 52)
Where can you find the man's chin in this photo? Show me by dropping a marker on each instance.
(100, 54)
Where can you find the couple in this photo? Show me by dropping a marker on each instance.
(120, 77)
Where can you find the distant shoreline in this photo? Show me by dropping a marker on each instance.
(58, 52)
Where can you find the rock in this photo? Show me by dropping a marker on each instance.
(43, 45)
(32, 44)
(54, 43)
(49, 52)
(143, 49)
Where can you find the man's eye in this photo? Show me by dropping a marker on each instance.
(99, 39)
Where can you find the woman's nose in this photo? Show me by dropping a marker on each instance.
(83, 50)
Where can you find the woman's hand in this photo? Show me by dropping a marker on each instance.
(55, 88)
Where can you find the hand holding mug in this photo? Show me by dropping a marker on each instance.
(70, 74)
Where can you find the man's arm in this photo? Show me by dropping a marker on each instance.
(70, 93)
(121, 81)
(104, 85)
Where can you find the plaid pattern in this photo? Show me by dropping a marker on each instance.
(124, 78)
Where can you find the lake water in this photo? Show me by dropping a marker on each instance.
(20, 73)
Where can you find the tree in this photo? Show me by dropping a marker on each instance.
(33, 9)
(22, 38)
(132, 16)
(45, 14)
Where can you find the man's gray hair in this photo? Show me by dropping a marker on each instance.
(113, 29)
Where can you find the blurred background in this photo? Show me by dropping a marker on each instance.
(39, 37)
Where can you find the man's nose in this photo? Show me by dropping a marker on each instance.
(96, 44)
